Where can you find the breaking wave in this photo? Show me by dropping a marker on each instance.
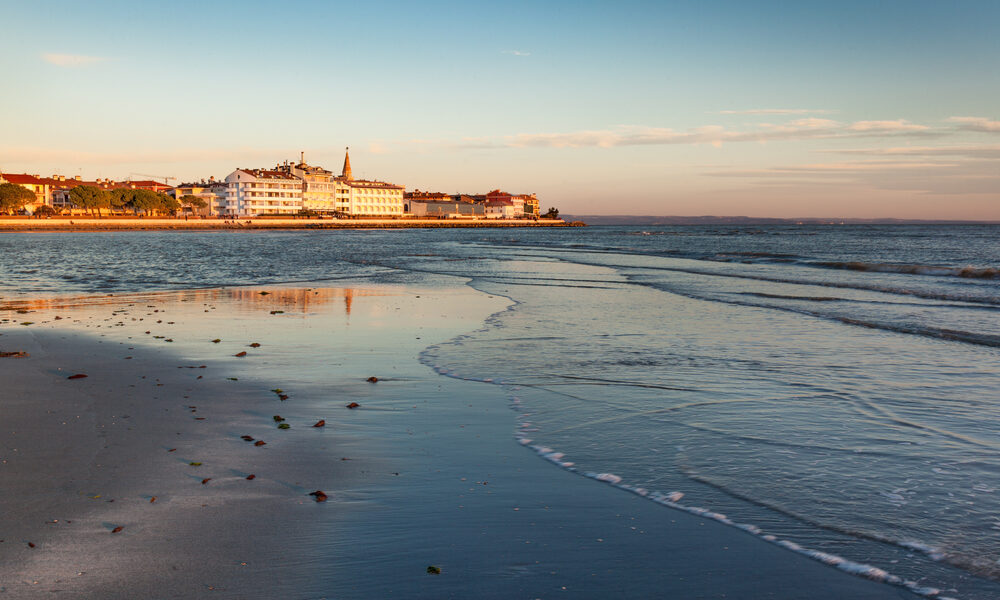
(968, 272)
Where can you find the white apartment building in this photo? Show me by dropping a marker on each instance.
(288, 189)
(321, 191)
(501, 209)
(252, 192)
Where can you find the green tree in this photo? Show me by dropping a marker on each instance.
(90, 197)
(120, 198)
(144, 200)
(168, 203)
(553, 213)
(45, 211)
(13, 198)
(193, 201)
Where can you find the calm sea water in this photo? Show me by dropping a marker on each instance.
(836, 387)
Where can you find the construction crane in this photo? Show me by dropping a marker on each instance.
(166, 179)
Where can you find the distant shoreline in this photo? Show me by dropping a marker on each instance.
(256, 224)
(641, 220)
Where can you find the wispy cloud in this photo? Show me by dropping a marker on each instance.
(799, 129)
(776, 111)
(986, 151)
(833, 169)
(945, 177)
(71, 60)
(517, 52)
(886, 126)
(981, 124)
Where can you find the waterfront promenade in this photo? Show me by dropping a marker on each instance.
(161, 223)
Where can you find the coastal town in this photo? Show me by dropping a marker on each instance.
(288, 189)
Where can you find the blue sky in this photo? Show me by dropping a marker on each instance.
(855, 109)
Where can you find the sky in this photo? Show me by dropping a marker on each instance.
(864, 109)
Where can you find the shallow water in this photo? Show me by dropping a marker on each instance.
(836, 387)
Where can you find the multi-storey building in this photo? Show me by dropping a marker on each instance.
(290, 189)
(531, 206)
(500, 209)
(319, 188)
(253, 192)
(507, 206)
(437, 204)
(214, 193)
(40, 187)
(369, 198)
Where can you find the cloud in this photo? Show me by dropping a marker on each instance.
(517, 52)
(813, 123)
(799, 129)
(71, 60)
(988, 151)
(776, 111)
(947, 178)
(980, 124)
(834, 169)
(886, 126)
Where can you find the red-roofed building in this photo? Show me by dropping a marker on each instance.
(33, 183)
(504, 205)
(500, 209)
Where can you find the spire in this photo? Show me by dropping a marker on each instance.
(346, 173)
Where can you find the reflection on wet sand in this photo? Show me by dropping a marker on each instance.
(297, 300)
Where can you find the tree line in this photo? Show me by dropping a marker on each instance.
(13, 199)
(94, 199)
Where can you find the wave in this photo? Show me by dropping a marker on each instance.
(672, 500)
(978, 295)
(968, 272)
(807, 298)
(952, 335)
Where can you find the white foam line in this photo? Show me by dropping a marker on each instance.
(671, 500)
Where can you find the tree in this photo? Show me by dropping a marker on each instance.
(553, 213)
(194, 202)
(167, 203)
(44, 211)
(145, 200)
(120, 198)
(13, 198)
(90, 197)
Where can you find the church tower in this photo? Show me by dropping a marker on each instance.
(346, 173)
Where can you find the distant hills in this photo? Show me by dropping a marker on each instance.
(710, 220)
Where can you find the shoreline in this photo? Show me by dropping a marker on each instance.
(158, 224)
(435, 476)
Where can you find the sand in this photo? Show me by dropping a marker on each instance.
(425, 473)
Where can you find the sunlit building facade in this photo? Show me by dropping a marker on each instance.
(253, 192)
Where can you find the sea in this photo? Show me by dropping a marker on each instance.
(831, 388)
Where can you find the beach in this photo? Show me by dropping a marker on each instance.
(425, 472)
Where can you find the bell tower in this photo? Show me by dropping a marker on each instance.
(346, 173)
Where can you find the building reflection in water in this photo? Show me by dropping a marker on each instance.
(289, 300)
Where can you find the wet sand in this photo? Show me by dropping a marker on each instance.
(425, 472)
